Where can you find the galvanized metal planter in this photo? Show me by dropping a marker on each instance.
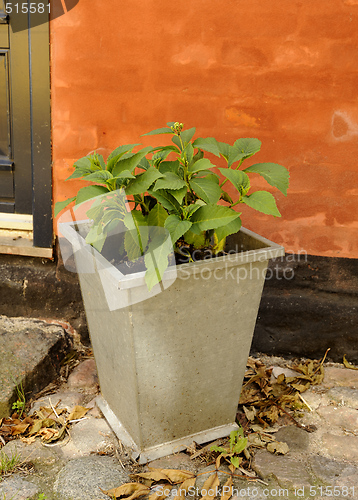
(171, 366)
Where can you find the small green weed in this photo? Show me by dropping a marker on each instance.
(237, 445)
(19, 405)
(8, 464)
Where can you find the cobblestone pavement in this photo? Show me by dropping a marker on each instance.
(320, 464)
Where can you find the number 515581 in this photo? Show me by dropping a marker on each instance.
(25, 8)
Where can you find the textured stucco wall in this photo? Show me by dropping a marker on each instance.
(284, 71)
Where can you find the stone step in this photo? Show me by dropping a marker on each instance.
(31, 351)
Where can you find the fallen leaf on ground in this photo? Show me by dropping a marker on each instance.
(28, 440)
(176, 476)
(278, 448)
(47, 434)
(19, 429)
(77, 412)
(162, 493)
(227, 490)
(210, 486)
(184, 487)
(129, 490)
(347, 364)
(154, 475)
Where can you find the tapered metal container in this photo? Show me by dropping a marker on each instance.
(171, 363)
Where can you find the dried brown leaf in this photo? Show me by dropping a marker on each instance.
(176, 476)
(270, 414)
(227, 490)
(210, 486)
(56, 435)
(162, 493)
(77, 412)
(129, 490)
(255, 439)
(19, 429)
(37, 426)
(28, 440)
(28, 420)
(48, 434)
(278, 448)
(349, 365)
(184, 487)
(154, 475)
(250, 413)
(301, 387)
(281, 379)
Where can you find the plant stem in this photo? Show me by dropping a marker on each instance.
(236, 203)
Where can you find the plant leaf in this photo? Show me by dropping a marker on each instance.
(100, 176)
(178, 194)
(197, 240)
(88, 192)
(238, 179)
(157, 216)
(276, 175)
(224, 150)
(206, 188)
(169, 166)
(162, 130)
(208, 144)
(169, 181)
(177, 227)
(186, 135)
(212, 217)
(166, 199)
(263, 201)
(143, 181)
(247, 146)
(156, 259)
(136, 238)
(230, 228)
(236, 461)
(131, 162)
(125, 174)
(203, 164)
(60, 205)
(120, 151)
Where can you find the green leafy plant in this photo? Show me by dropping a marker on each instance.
(237, 444)
(176, 188)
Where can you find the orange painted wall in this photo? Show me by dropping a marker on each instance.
(284, 71)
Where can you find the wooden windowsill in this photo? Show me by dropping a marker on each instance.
(20, 242)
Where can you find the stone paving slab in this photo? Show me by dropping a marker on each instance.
(316, 463)
(30, 352)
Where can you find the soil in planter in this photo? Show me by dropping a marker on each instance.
(185, 254)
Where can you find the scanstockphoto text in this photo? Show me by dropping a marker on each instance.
(253, 492)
